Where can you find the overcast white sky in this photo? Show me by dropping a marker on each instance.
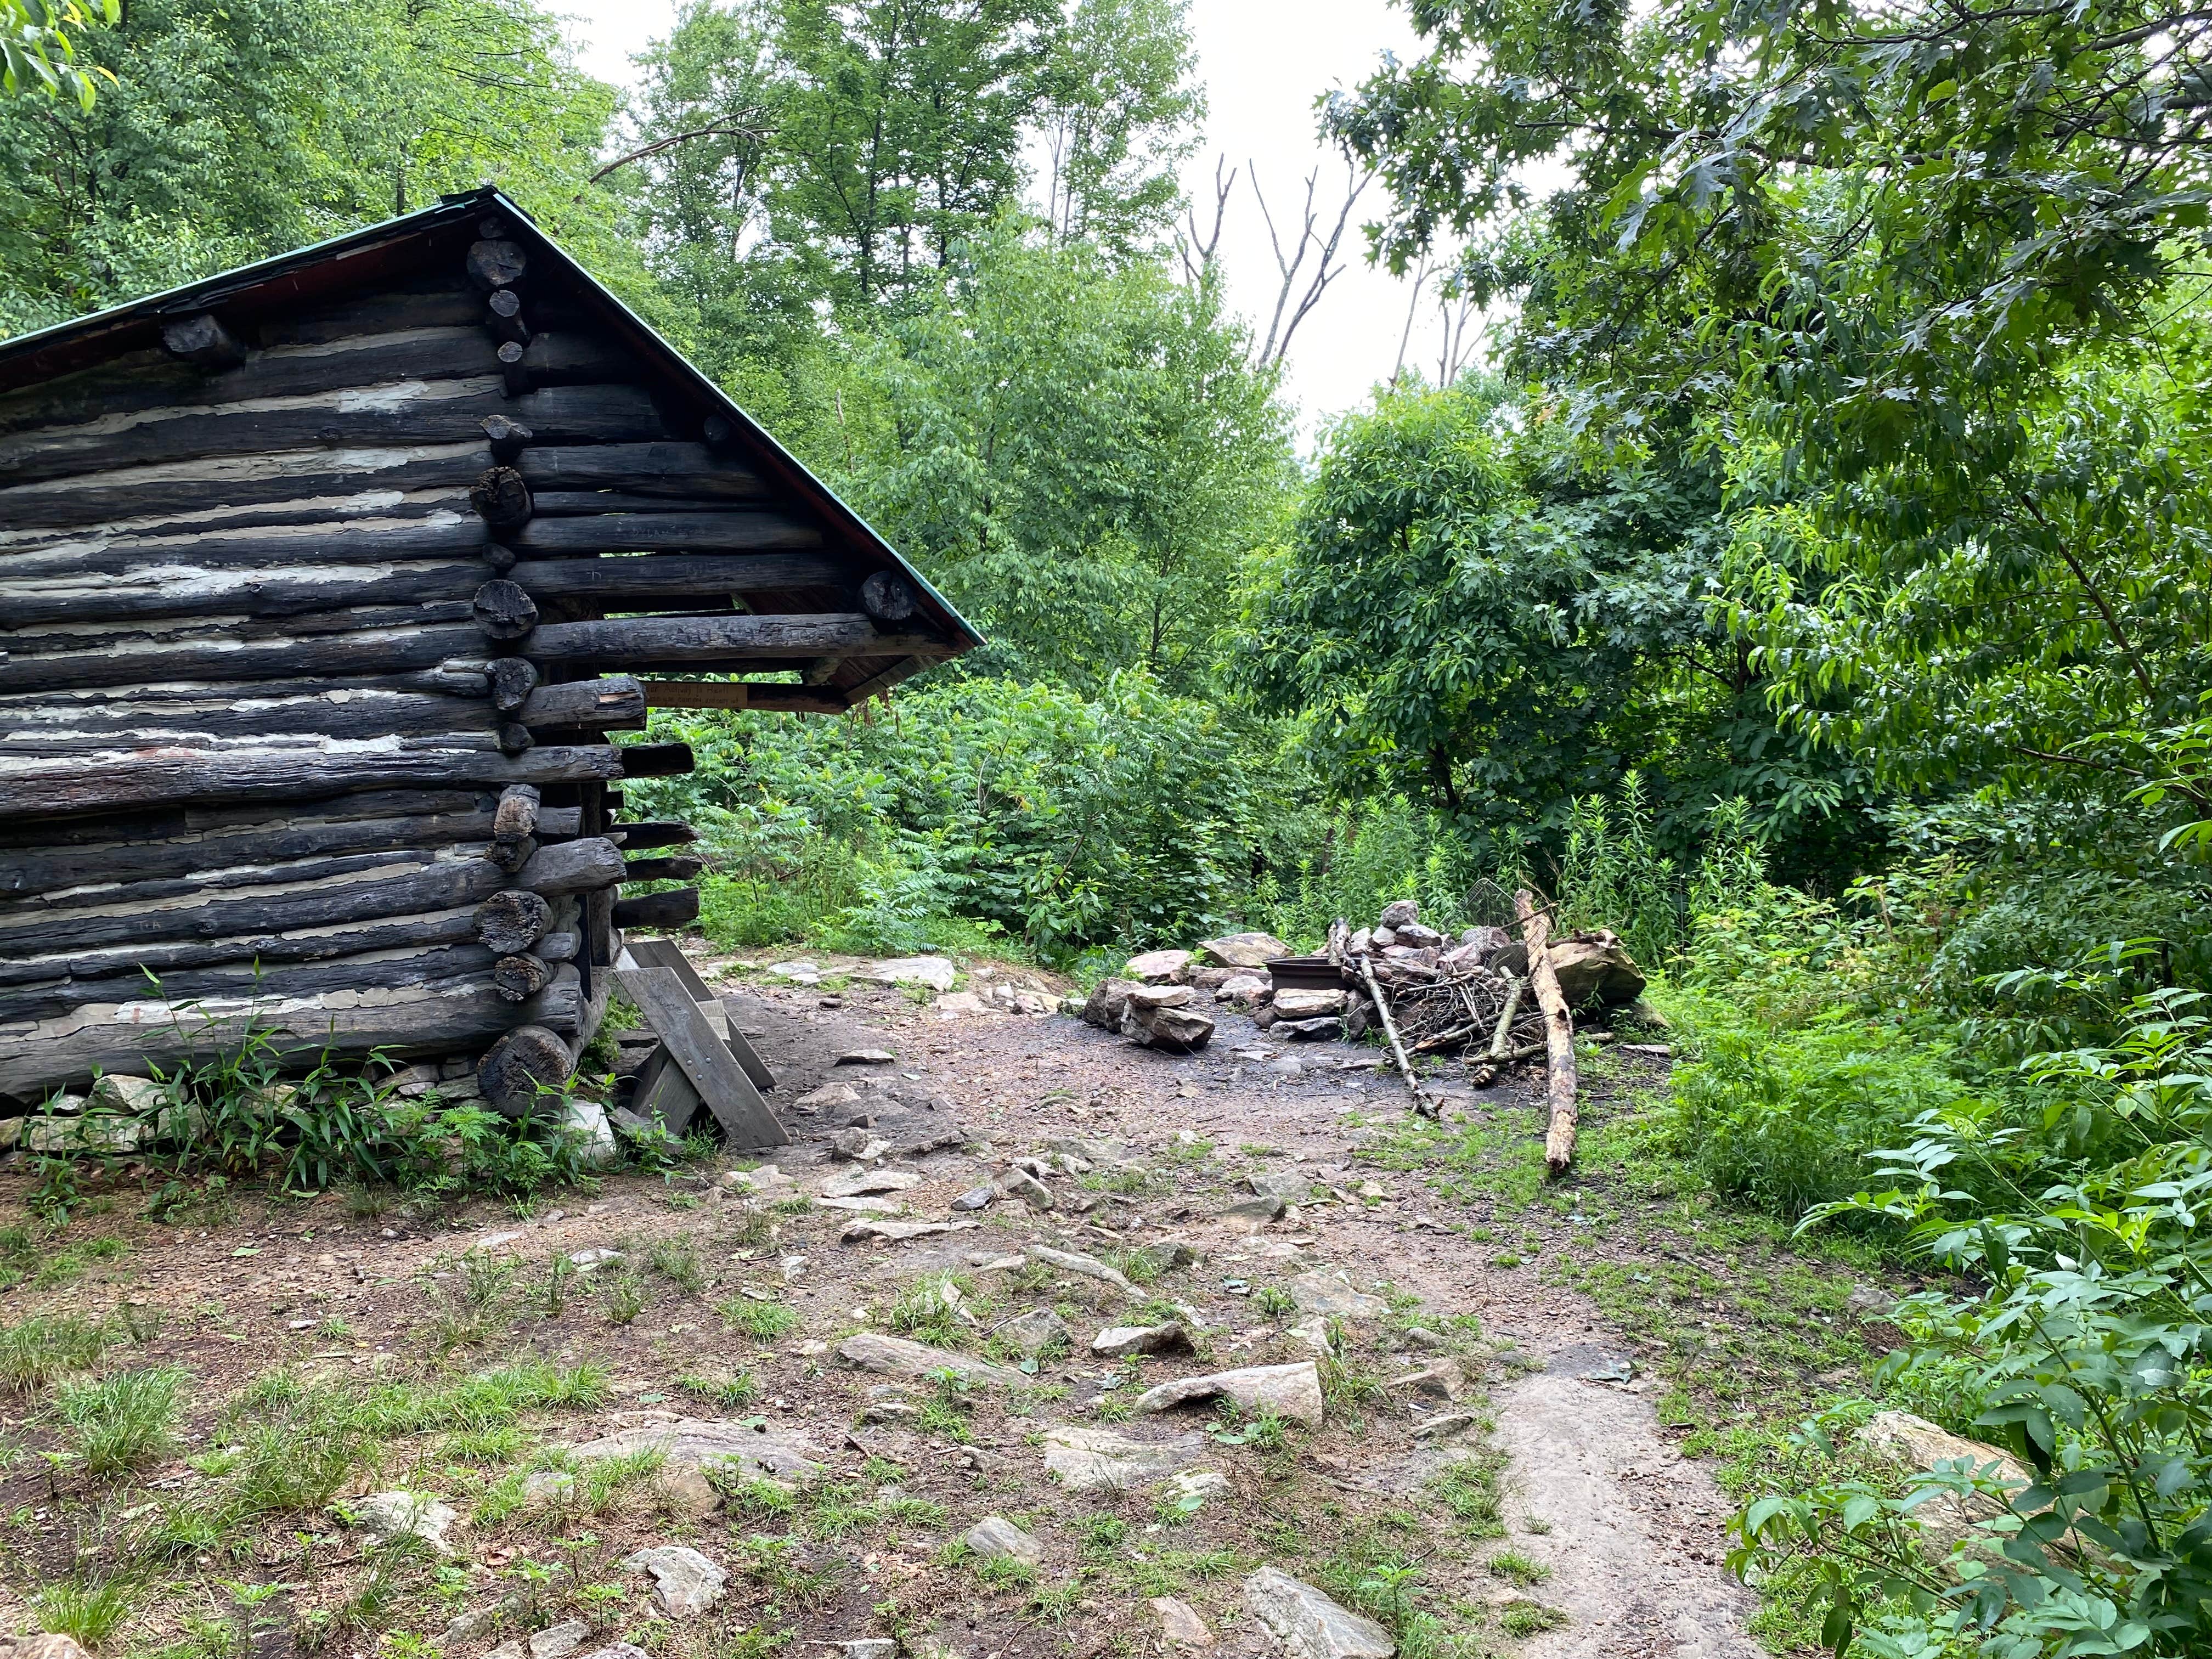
(1263, 62)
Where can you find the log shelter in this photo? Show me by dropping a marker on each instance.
(323, 585)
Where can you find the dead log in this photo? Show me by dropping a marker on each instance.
(522, 1069)
(516, 817)
(512, 921)
(637, 837)
(614, 701)
(518, 978)
(503, 611)
(508, 438)
(666, 532)
(497, 263)
(674, 641)
(1559, 1034)
(572, 866)
(512, 855)
(1421, 1103)
(678, 907)
(682, 867)
(674, 575)
(500, 498)
(888, 597)
(504, 316)
(512, 679)
(649, 469)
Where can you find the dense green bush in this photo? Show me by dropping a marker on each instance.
(977, 806)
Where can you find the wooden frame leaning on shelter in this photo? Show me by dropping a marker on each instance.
(323, 585)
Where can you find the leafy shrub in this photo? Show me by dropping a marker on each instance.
(2086, 1351)
(1784, 1119)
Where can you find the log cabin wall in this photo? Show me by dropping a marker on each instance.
(322, 588)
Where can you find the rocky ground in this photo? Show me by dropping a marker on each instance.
(1035, 1342)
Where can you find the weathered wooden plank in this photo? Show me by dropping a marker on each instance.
(572, 866)
(415, 411)
(369, 651)
(567, 503)
(739, 694)
(646, 469)
(79, 783)
(617, 701)
(676, 908)
(742, 1047)
(630, 640)
(664, 1095)
(670, 576)
(449, 532)
(637, 836)
(665, 532)
(403, 933)
(58, 641)
(713, 1071)
(177, 821)
(181, 590)
(42, 870)
(215, 914)
(433, 1019)
(207, 719)
(383, 972)
(234, 490)
(108, 892)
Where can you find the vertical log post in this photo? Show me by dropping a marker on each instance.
(1559, 1034)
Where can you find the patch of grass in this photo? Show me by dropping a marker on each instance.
(753, 1499)
(1140, 1267)
(466, 1309)
(751, 1230)
(677, 1262)
(1001, 1572)
(1346, 1384)
(1523, 1570)
(732, 1393)
(1528, 1618)
(928, 1309)
(763, 1322)
(945, 1411)
(1274, 1302)
(124, 1420)
(91, 1613)
(1468, 1487)
(36, 1351)
(621, 1297)
(1055, 1604)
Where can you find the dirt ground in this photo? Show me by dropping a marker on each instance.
(1551, 1514)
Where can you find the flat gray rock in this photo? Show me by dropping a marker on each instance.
(1033, 1332)
(855, 1183)
(1116, 1340)
(1323, 1291)
(761, 1454)
(1291, 1186)
(1591, 1363)
(1291, 1391)
(895, 1356)
(995, 1535)
(405, 1515)
(1089, 1460)
(1310, 1624)
(685, 1583)
(897, 1232)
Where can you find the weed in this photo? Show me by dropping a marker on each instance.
(763, 1322)
(621, 1295)
(753, 1499)
(1523, 1570)
(560, 1277)
(732, 1393)
(367, 1200)
(466, 1306)
(1346, 1385)
(1003, 1573)
(90, 1612)
(1274, 1302)
(1528, 1618)
(1536, 1524)
(752, 1231)
(677, 1262)
(1264, 1430)
(1467, 1486)
(929, 1309)
(35, 1350)
(1103, 1534)
(124, 1420)
(945, 1411)
(1140, 1267)
(1055, 1603)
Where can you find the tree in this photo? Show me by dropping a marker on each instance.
(36, 51)
(1079, 453)
(1903, 265)
(1117, 105)
(1475, 609)
(234, 132)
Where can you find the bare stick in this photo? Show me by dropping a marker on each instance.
(1421, 1103)
(1505, 1015)
(1558, 1033)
